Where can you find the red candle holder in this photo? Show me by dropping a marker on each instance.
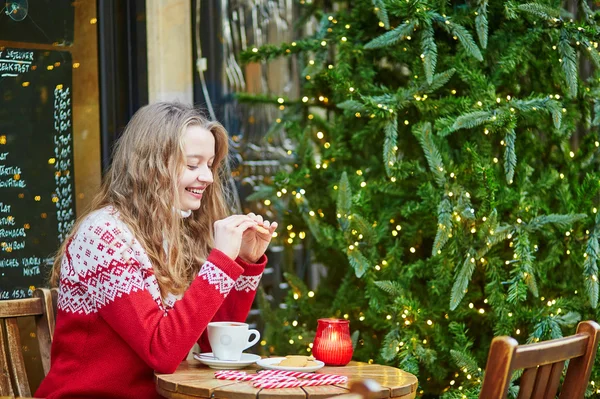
(333, 345)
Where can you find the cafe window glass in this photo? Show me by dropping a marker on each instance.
(50, 164)
(49, 132)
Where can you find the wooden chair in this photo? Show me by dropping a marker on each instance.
(13, 376)
(543, 364)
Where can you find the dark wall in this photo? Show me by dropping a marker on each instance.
(123, 67)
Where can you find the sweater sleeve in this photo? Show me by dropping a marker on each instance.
(118, 280)
(239, 301)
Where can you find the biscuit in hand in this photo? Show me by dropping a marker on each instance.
(261, 229)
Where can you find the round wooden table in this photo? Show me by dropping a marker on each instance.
(192, 379)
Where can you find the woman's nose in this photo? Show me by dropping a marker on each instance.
(205, 176)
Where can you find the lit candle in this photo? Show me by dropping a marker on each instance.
(333, 344)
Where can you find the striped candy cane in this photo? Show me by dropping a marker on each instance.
(292, 384)
(242, 376)
(281, 379)
(299, 374)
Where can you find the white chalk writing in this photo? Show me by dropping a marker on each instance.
(62, 151)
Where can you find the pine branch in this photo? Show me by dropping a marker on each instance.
(560, 221)
(465, 38)
(433, 156)
(429, 55)
(357, 260)
(390, 145)
(500, 234)
(444, 226)
(556, 112)
(569, 62)
(390, 345)
(461, 33)
(591, 52)
(472, 120)
(382, 13)
(587, 11)
(344, 199)
(540, 10)
(364, 227)
(525, 261)
(510, 155)
(517, 290)
(439, 80)
(391, 287)
(352, 105)
(322, 233)
(544, 104)
(568, 319)
(392, 37)
(590, 264)
(481, 23)
(461, 282)
(465, 361)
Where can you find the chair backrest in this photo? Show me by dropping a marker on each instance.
(13, 377)
(543, 363)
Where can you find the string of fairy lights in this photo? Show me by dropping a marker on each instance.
(408, 316)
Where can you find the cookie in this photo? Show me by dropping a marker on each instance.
(298, 361)
(261, 229)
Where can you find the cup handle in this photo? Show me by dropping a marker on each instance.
(255, 340)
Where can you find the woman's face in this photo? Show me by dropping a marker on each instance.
(199, 151)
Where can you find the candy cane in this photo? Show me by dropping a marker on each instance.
(292, 384)
(281, 379)
(298, 374)
(242, 376)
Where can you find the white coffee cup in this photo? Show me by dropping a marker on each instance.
(228, 339)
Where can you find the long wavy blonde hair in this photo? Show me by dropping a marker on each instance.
(142, 183)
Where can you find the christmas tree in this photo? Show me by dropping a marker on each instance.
(446, 174)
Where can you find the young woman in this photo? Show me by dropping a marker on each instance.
(154, 262)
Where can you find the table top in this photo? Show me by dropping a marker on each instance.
(193, 379)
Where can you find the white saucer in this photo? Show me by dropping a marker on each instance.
(272, 364)
(208, 359)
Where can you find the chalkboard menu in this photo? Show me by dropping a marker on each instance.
(37, 207)
(38, 21)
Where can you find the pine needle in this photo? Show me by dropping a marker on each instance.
(429, 55)
(432, 154)
(391, 287)
(525, 261)
(569, 62)
(463, 36)
(461, 281)
(357, 260)
(444, 226)
(352, 105)
(465, 361)
(481, 23)
(510, 155)
(472, 120)
(344, 199)
(390, 145)
(540, 10)
(590, 264)
(439, 80)
(382, 14)
(560, 221)
(392, 37)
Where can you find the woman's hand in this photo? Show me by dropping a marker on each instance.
(256, 239)
(229, 233)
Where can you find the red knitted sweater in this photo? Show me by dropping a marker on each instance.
(112, 328)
